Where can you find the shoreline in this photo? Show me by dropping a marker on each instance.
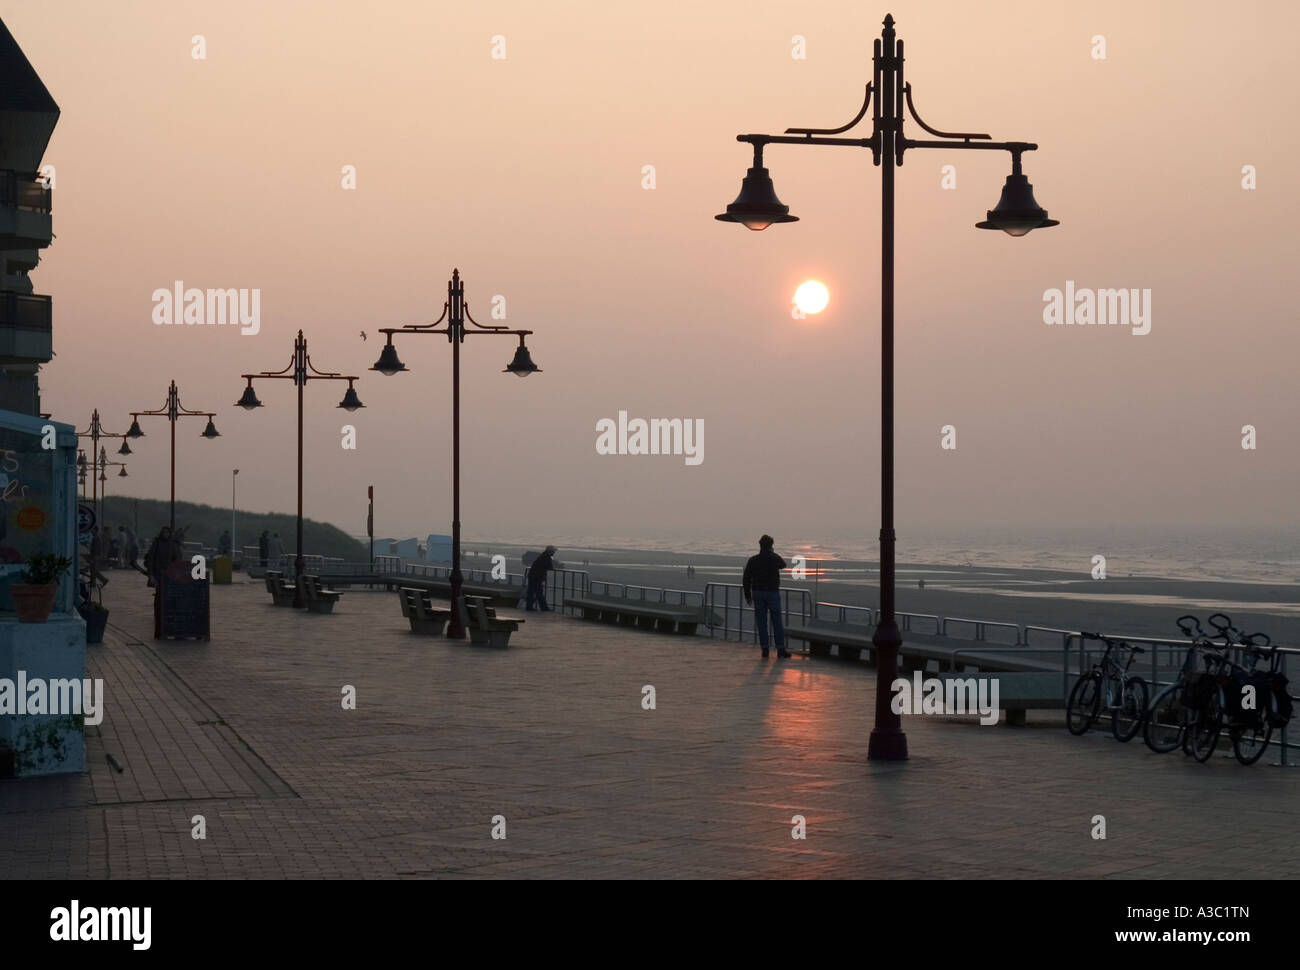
(1130, 605)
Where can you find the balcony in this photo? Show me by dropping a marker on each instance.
(24, 212)
(25, 332)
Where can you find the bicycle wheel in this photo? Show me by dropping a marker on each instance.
(1084, 705)
(1127, 716)
(1250, 740)
(1206, 727)
(1163, 730)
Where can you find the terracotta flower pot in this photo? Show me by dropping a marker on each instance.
(33, 604)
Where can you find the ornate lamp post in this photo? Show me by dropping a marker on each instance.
(456, 311)
(94, 433)
(173, 412)
(1016, 213)
(299, 370)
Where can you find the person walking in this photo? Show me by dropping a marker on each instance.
(537, 581)
(762, 587)
(274, 550)
(263, 541)
(96, 555)
(132, 548)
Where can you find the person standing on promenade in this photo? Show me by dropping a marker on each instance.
(762, 587)
(263, 542)
(537, 580)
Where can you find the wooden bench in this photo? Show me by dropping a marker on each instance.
(662, 617)
(482, 623)
(281, 592)
(318, 598)
(417, 607)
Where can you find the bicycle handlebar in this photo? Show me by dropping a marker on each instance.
(1223, 627)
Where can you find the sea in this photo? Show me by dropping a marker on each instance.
(1248, 555)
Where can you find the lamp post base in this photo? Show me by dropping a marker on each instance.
(887, 742)
(455, 628)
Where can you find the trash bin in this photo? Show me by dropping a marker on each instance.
(222, 566)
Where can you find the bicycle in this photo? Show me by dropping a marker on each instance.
(1249, 727)
(1126, 697)
(1167, 717)
(1208, 699)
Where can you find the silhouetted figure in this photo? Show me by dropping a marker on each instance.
(132, 549)
(263, 543)
(762, 587)
(274, 549)
(223, 544)
(537, 580)
(96, 556)
(164, 551)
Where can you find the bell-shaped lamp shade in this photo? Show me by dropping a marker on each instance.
(81, 477)
(249, 399)
(122, 473)
(522, 364)
(125, 449)
(757, 206)
(1017, 212)
(350, 400)
(388, 364)
(210, 431)
(134, 431)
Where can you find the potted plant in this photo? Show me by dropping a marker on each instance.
(37, 585)
(96, 616)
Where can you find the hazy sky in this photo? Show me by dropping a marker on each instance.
(526, 173)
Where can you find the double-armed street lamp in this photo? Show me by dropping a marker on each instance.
(104, 464)
(300, 370)
(455, 311)
(1016, 213)
(173, 412)
(94, 433)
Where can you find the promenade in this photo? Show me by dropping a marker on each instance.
(248, 731)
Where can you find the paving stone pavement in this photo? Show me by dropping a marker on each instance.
(249, 731)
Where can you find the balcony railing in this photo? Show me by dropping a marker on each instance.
(22, 192)
(24, 311)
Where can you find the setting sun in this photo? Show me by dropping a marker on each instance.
(811, 296)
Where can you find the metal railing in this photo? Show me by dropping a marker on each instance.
(982, 628)
(646, 594)
(843, 612)
(729, 615)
